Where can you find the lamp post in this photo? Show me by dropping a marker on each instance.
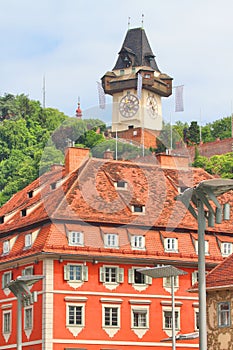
(197, 200)
(166, 271)
(20, 288)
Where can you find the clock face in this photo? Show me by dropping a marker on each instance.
(152, 106)
(129, 105)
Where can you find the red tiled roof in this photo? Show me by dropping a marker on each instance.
(87, 198)
(221, 276)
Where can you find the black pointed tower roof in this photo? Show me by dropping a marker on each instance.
(136, 47)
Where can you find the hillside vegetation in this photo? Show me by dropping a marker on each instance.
(32, 138)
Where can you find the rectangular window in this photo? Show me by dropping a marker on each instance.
(167, 281)
(6, 247)
(226, 248)
(206, 247)
(138, 209)
(28, 318)
(140, 318)
(138, 242)
(136, 277)
(28, 240)
(75, 316)
(6, 322)
(28, 271)
(75, 238)
(171, 244)
(196, 320)
(6, 278)
(111, 316)
(111, 274)
(121, 184)
(224, 314)
(168, 319)
(111, 240)
(139, 278)
(75, 273)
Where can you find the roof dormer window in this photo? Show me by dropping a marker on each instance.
(2, 219)
(138, 209)
(171, 244)
(30, 194)
(24, 212)
(6, 247)
(121, 184)
(53, 185)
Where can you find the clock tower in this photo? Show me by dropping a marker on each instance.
(136, 85)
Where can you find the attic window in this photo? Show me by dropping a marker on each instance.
(6, 247)
(53, 186)
(28, 240)
(171, 244)
(24, 212)
(2, 219)
(147, 76)
(30, 194)
(121, 184)
(138, 209)
(122, 72)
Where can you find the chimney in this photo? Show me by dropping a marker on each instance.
(108, 154)
(75, 157)
(173, 161)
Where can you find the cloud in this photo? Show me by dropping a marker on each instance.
(74, 43)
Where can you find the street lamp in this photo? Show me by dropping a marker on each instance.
(197, 200)
(20, 288)
(166, 271)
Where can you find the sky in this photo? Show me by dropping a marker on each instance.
(73, 43)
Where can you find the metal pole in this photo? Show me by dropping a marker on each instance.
(19, 321)
(173, 315)
(201, 277)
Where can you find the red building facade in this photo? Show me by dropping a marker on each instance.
(87, 227)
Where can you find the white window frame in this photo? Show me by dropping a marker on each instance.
(28, 240)
(196, 320)
(6, 278)
(140, 310)
(111, 240)
(76, 238)
(6, 247)
(167, 282)
(136, 206)
(171, 244)
(6, 318)
(138, 286)
(75, 306)
(138, 242)
(177, 318)
(119, 273)
(226, 313)
(194, 277)
(111, 307)
(206, 247)
(28, 318)
(83, 273)
(121, 185)
(28, 271)
(226, 248)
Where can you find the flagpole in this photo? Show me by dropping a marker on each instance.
(43, 91)
(116, 144)
(171, 130)
(200, 128)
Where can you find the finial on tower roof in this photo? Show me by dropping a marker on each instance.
(142, 20)
(129, 22)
